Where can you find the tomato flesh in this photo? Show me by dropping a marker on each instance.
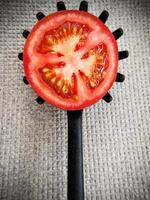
(71, 59)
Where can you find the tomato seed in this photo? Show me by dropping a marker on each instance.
(75, 97)
(65, 89)
(48, 75)
(93, 83)
(59, 84)
(53, 80)
(74, 30)
(45, 70)
(50, 41)
(103, 74)
(80, 31)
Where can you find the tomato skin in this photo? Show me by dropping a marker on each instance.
(98, 93)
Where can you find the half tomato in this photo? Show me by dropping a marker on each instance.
(70, 59)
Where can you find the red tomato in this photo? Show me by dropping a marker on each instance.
(70, 59)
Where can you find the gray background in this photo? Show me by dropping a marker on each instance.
(116, 136)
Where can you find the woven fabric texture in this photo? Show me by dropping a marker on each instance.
(116, 136)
